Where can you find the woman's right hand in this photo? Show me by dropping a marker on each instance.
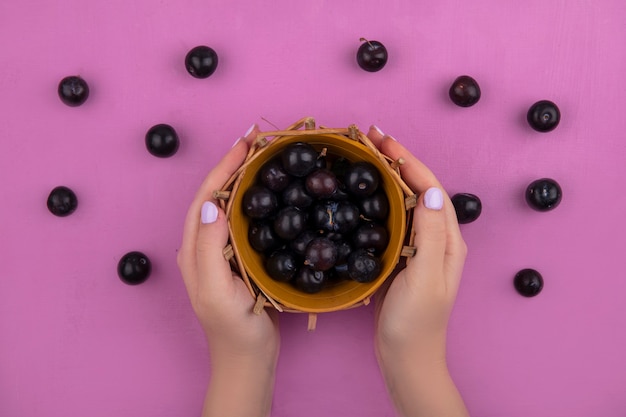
(412, 315)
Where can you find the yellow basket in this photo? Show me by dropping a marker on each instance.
(353, 145)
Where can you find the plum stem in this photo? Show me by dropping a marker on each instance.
(368, 42)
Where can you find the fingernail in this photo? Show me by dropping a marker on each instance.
(433, 198)
(236, 142)
(376, 128)
(208, 214)
(391, 137)
(245, 135)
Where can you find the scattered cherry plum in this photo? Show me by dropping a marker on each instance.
(162, 140)
(528, 282)
(467, 207)
(543, 194)
(73, 91)
(543, 116)
(371, 55)
(134, 268)
(62, 201)
(464, 91)
(201, 61)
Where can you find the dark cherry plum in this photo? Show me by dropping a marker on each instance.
(375, 207)
(340, 272)
(528, 282)
(259, 202)
(299, 159)
(371, 55)
(162, 140)
(290, 222)
(372, 237)
(134, 268)
(320, 254)
(464, 91)
(543, 116)
(467, 207)
(262, 237)
(310, 212)
(340, 194)
(363, 266)
(321, 161)
(321, 183)
(201, 61)
(281, 266)
(295, 194)
(343, 250)
(273, 176)
(310, 281)
(299, 244)
(62, 201)
(362, 179)
(335, 216)
(73, 91)
(339, 167)
(544, 194)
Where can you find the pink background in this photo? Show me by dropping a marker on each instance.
(74, 340)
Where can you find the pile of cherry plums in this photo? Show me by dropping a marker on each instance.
(317, 218)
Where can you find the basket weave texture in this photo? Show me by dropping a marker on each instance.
(263, 147)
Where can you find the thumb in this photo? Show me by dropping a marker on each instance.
(213, 269)
(429, 225)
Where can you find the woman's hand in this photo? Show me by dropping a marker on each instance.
(412, 316)
(243, 346)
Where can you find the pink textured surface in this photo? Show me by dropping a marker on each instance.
(76, 341)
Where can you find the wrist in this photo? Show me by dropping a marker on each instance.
(240, 385)
(422, 350)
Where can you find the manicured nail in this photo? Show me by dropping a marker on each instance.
(376, 128)
(391, 137)
(433, 198)
(236, 142)
(208, 214)
(245, 135)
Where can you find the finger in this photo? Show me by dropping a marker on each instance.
(420, 178)
(414, 172)
(430, 229)
(215, 180)
(375, 135)
(214, 273)
(250, 135)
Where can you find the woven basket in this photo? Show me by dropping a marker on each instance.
(353, 145)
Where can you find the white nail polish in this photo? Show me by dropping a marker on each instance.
(208, 213)
(376, 128)
(392, 138)
(236, 142)
(245, 135)
(433, 198)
